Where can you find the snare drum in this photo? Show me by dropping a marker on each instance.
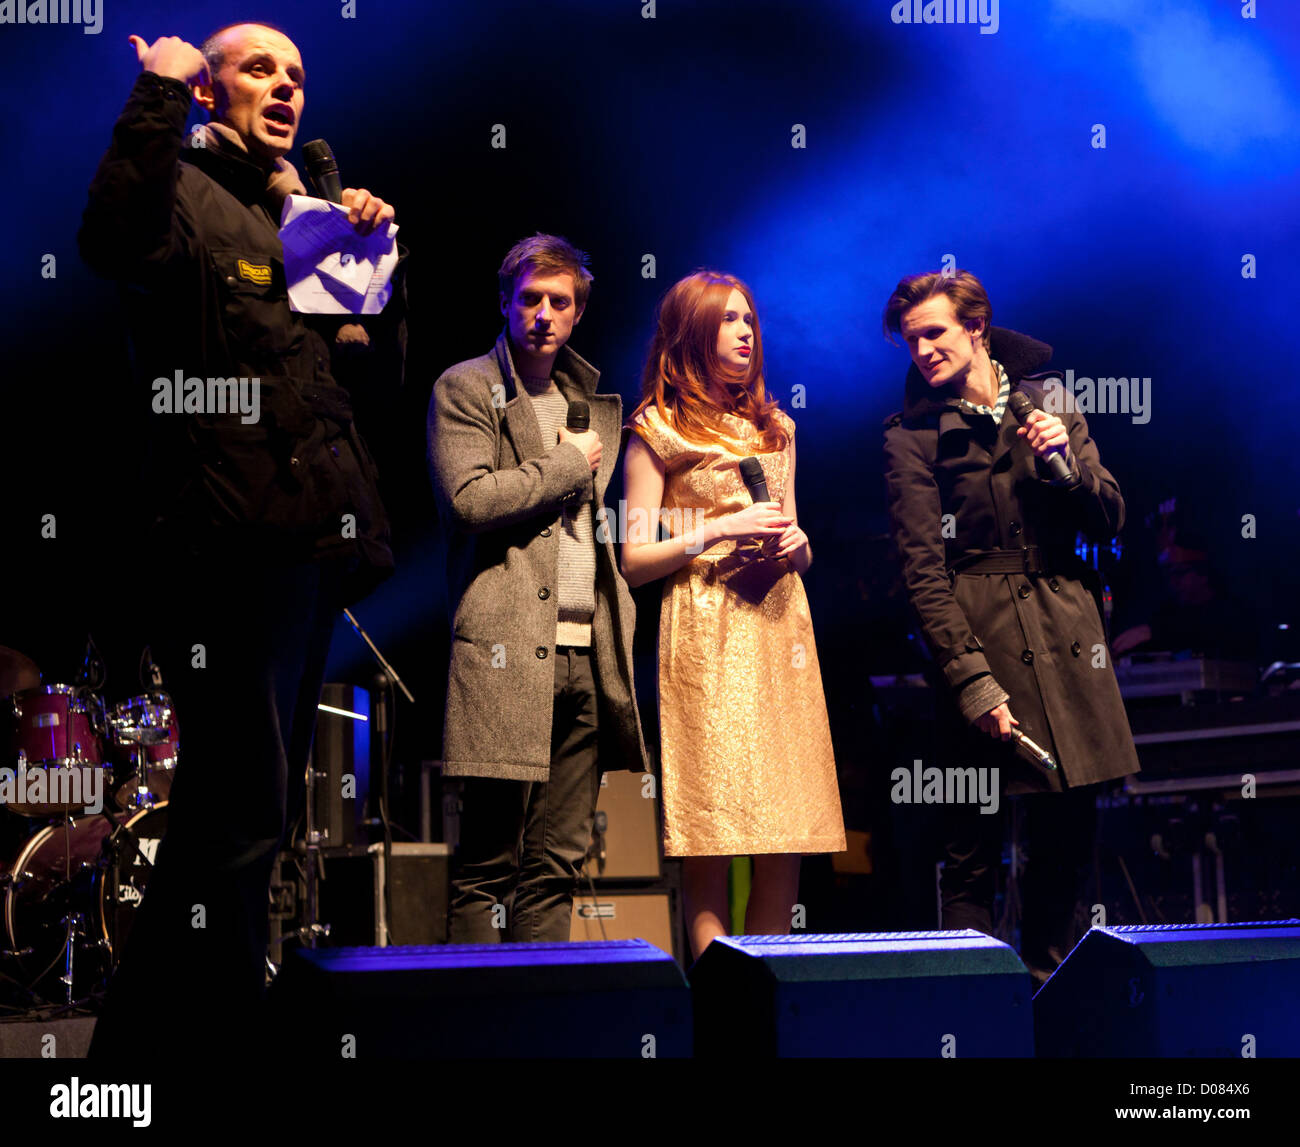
(58, 731)
(146, 745)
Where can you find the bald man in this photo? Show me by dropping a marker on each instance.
(274, 520)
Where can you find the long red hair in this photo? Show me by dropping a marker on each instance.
(683, 359)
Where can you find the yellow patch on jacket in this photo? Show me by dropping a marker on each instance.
(254, 273)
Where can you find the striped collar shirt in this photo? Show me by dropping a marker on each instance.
(999, 407)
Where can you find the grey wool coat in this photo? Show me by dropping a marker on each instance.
(1040, 634)
(501, 492)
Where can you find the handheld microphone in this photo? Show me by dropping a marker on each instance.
(751, 472)
(579, 417)
(578, 420)
(322, 170)
(1022, 406)
(1032, 751)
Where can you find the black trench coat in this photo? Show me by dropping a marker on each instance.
(1039, 635)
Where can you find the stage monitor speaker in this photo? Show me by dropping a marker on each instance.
(896, 994)
(1175, 991)
(624, 998)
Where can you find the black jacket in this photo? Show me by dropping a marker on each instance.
(190, 234)
(959, 486)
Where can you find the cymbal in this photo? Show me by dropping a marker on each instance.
(17, 671)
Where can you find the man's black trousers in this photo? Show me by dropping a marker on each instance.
(242, 647)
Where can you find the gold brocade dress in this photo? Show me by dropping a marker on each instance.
(745, 744)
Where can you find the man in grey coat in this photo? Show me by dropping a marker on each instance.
(540, 699)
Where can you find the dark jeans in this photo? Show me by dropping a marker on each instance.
(1058, 837)
(193, 971)
(523, 842)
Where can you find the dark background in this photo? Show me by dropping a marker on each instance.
(672, 137)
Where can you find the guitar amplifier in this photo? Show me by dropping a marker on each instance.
(629, 806)
(623, 916)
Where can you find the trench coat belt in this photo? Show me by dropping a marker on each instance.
(1026, 560)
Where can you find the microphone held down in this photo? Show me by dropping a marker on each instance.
(1032, 752)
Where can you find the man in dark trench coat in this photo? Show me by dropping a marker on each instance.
(1009, 612)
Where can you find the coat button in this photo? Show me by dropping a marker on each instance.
(543, 593)
(546, 532)
(1023, 591)
(541, 652)
(1015, 529)
(1054, 585)
(295, 461)
(231, 280)
(1075, 648)
(1027, 657)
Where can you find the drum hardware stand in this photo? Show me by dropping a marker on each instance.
(143, 797)
(72, 922)
(141, 781)
(310, 848)
(121, 846)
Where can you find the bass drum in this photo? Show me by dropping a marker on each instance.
(65, 869)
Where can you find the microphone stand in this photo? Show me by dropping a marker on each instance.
(384, 681)
(309, 849)
(383, 661)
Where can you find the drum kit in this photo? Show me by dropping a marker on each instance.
(71, 891)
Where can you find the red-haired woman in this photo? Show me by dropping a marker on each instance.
(745, 745)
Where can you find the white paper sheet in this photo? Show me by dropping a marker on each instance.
(330, 269)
